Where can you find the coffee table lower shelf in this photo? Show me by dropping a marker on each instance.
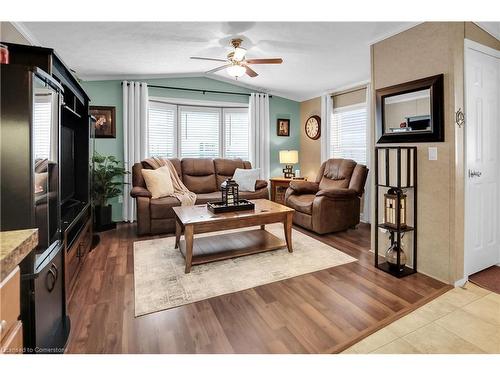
(231, 245)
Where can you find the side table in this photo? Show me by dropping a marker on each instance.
(279, 186)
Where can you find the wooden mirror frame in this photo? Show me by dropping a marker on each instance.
(435, 84)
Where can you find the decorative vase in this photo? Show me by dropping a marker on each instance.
(391, 256)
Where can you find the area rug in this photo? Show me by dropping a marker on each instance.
(160, 282)
(488, 279)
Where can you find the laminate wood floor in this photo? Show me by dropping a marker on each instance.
(321, 312)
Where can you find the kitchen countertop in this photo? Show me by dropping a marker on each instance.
(14, 246)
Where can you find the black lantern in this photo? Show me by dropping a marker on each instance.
(229, 190)
(391, 206)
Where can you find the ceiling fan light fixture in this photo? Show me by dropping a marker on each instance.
(239, 53)
(236, 70)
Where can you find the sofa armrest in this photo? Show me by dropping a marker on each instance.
(337, 194)
(138, 191)
(304, 187)
(260, 184)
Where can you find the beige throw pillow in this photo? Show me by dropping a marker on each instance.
(158, 182)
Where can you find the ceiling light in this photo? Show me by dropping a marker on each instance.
(236, 70)
(239, 53)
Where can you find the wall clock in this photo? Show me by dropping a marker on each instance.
(313, 127)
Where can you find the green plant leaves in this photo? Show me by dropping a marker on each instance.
(107, 177)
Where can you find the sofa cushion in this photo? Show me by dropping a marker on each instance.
(337, 173)
(161, 208)
(301, 203)
(246, 178)
(158, 182)
(224, 168)
(199, 175)
(138, 179)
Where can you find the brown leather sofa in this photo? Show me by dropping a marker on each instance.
(332, 202)
(201, 176)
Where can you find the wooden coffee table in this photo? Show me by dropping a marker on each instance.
(192, 220)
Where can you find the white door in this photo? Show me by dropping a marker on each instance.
(482, 100)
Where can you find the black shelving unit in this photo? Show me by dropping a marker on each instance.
(396, 169)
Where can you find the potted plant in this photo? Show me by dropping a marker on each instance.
(107, 183)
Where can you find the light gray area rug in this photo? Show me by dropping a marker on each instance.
(160, 282)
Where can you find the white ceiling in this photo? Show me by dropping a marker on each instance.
(317, 56)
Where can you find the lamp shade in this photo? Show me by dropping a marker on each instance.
(236, 70)
(289, 157)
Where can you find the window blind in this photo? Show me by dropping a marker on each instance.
(41, 128)
(189, 131)
(199, 128)
(348, 133)
(236, 133)
(161, 129)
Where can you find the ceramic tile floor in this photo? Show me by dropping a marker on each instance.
(463, 320)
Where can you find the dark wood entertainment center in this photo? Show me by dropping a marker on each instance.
(75, 151)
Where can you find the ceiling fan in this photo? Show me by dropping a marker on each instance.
(237, 63)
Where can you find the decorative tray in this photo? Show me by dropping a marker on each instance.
(219, 207)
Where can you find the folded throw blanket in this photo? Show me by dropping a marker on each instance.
(181, 192)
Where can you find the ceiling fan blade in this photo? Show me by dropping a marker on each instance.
(207, 58)
(264, 61)
(252, 73)
(218, 68)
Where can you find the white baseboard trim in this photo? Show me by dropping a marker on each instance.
(460, 283)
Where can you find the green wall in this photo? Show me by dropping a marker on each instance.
(109, 93)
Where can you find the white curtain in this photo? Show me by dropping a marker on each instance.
(135, 136)
(326, 119)
(260, 133)
(369, 131)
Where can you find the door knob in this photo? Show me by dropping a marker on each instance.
(474, 173)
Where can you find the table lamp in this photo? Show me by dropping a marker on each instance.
(289, 158)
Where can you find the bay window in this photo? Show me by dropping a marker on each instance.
(236, 133)
(162, 129)
(197, 131)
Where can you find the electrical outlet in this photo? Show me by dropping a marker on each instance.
(120, 199)
(433, 153)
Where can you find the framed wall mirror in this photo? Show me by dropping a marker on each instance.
(411, 111)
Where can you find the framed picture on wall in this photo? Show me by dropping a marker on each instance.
(283, 127)
(105, 121)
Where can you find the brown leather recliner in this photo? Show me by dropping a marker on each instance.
(201, 176)
(332, 202)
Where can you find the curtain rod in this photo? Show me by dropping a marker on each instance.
(199, 90)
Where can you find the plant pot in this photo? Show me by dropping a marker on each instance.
(102, 218)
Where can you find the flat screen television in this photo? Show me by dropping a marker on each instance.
(67, 164)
